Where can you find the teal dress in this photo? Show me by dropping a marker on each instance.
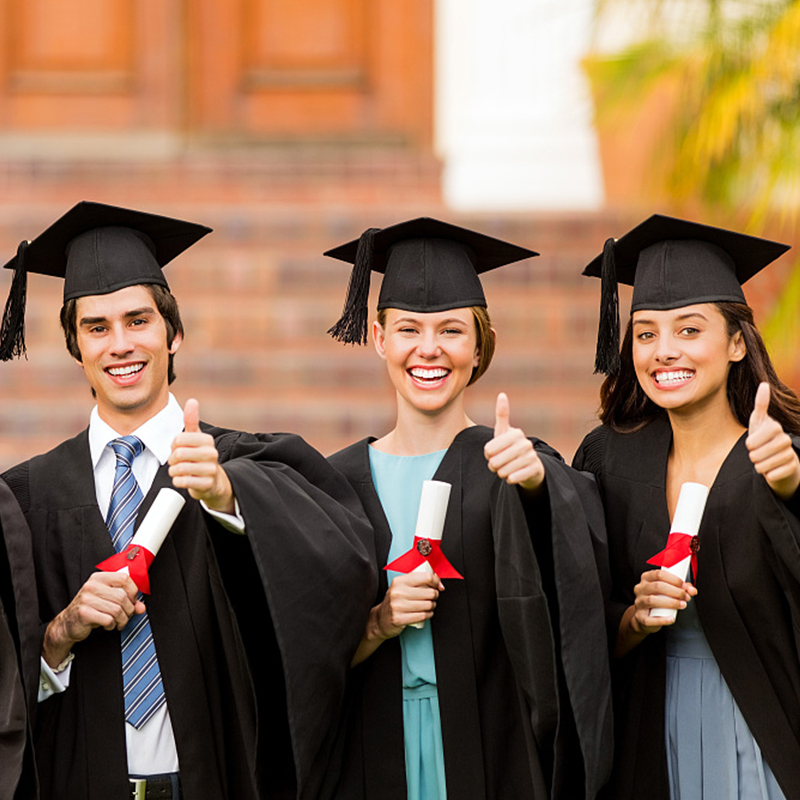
(398, 482)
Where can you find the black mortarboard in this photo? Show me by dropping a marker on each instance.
(96, 249)
(428, 266)
(672, 263)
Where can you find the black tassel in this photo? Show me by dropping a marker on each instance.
(351, 327)
(607, 355)
(12, 331)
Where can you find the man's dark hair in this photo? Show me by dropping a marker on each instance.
(166, 304)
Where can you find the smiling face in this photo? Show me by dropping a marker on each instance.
(430, 356)
(122, 339)
(682, 357)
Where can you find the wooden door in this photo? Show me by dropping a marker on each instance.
(219, 69)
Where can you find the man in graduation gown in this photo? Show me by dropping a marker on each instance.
(19, 653)
(271, 617)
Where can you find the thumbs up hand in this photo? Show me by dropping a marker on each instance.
(771, 448)
(194, 464)
(510, 453)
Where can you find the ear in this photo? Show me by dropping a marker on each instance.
(176, 343)
(379, 339)
(737, 348)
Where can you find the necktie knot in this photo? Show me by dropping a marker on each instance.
(126, 448)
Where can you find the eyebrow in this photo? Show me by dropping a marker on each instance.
(136, 312)
(448, 321)
(680, 318)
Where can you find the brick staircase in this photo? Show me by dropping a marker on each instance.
(257, 296)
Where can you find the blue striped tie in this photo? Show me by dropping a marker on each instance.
(141, 676)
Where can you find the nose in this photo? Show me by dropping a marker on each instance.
(428, 346)
(120, 343)
(666, 350)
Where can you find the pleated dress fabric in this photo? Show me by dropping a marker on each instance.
(711, 753)
(398, 482)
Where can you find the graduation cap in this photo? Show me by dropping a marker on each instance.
(96, 249)
(672, 263)
(428, 266)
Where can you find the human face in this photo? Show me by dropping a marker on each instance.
(430, 357)
(124, 352)
(682, 357)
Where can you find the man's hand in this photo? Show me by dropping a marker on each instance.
(771, 448)
(510, 453)
(194, 464)
(107, 600)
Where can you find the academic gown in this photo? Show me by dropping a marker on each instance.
(748, 583)
(19, 653)
(291, 597)
(519, 645)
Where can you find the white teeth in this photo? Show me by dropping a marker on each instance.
(673, 377)
(429, 374)
(120, 371)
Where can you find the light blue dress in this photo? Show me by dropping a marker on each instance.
(398, 482)
(711, 754)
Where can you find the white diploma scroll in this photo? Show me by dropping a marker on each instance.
(158, 522)
(687, 518)
(430, 519)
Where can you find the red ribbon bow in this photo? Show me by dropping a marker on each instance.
(423, 550)
(137, 559)
(679, 546)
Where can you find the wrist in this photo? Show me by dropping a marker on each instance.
(56, 647)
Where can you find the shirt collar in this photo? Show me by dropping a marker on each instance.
(156, 434)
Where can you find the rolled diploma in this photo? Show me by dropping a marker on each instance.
(688, 515)
(158, 521)
(430, 519)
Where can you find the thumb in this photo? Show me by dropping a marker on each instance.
(191, 416)
(760, 408)
(501, 414)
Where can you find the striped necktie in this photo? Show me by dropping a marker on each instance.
(141, 675)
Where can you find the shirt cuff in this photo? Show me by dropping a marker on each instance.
(51, 683)
(231, 522)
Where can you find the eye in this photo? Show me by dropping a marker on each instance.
(138, 321)
(690, 331)
(97, 329)
(645, 336)
(453, 331)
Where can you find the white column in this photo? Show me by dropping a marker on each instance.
(513, 111)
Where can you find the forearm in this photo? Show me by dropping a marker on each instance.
(630, 633)
(372, 639)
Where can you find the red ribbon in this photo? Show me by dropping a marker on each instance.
(679, 546)
(423, 550)
(137, 559)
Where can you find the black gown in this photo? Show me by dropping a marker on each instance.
(19, 653)
(282, 607)
(519, 645)
(748, 582)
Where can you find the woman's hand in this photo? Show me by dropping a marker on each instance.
(410, 598)
(771, 448)
(510, 453)
(657, 588)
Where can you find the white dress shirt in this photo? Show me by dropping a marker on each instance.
(151, 750)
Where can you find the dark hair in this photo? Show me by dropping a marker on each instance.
(484, 335)
(166, 304)
(625, 407)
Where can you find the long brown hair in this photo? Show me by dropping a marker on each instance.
(625, 407)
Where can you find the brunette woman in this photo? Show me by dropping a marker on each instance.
(706, 707)
(502, 693)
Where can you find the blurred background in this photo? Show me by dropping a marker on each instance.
(289, 126)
